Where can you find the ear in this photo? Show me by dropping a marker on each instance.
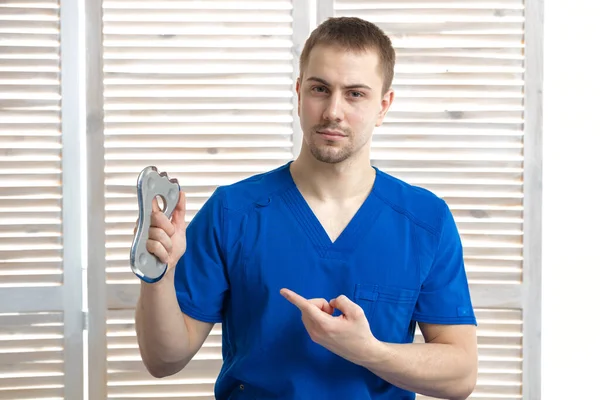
(386, 102)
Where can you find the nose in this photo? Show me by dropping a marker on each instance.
(334, 110)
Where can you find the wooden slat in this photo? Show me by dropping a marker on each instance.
(32, 394)
(177, 390)
(20, 383)
(31, 299)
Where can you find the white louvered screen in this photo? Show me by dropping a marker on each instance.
(456, 128)
(30, 144)
(202, 90)
(31, 273)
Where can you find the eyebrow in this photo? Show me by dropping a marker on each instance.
(353, 86)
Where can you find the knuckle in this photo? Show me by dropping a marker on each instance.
(154, 233)
(151, 246)
(158, 219)
(158, 250)
(157, 246)
(359, 312)
(169, 228)
(159, 235)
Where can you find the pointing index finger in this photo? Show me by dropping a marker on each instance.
(295, 299)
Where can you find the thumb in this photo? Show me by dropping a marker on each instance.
(346, 306)
(178, 216)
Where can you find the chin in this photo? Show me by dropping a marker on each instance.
(330, 155)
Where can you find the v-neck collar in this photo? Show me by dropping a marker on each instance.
(348, 239)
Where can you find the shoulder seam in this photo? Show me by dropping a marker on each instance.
(410, 216)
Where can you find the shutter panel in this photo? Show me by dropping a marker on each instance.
(456, 128)
(34, 356)
(203, 91)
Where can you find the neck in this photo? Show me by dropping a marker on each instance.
(342, 181)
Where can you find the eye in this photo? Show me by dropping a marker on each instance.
(356, 94)
(319, 89)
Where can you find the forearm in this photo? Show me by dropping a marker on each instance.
(432, 369)
(161, 330)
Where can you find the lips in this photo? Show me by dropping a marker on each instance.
(329, 133)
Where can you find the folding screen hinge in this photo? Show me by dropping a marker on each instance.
(85, 320)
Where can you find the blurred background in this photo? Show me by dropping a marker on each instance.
(496, 111)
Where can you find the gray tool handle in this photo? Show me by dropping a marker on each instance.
(151, 184)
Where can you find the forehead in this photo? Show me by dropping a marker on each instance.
(339, 66)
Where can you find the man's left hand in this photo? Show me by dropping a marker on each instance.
(347, 335)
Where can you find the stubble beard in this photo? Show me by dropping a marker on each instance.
(330, 153)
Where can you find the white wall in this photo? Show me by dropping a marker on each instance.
(571, 202)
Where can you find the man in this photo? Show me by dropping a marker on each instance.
(320, 269)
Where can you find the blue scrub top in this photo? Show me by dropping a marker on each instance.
(400, 258)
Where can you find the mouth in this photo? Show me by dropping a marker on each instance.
(331, 135)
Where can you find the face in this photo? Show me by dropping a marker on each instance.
(340, 102)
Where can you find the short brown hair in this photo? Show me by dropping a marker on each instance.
(353, 34)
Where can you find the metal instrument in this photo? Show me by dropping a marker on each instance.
(151, 184)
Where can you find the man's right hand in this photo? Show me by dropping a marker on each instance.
(166, 238)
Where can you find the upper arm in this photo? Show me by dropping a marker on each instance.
(198, 332)
(460, 336)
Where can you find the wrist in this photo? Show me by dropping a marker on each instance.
(376, 352)
(167, 280)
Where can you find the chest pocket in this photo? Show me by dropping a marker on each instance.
(388, 309)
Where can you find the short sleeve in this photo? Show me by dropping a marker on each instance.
(444, 297)
(200, 278)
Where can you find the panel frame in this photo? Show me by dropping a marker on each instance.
(532, 198)
(73, 209)
(96, 252)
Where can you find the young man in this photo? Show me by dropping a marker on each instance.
(320, 269)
